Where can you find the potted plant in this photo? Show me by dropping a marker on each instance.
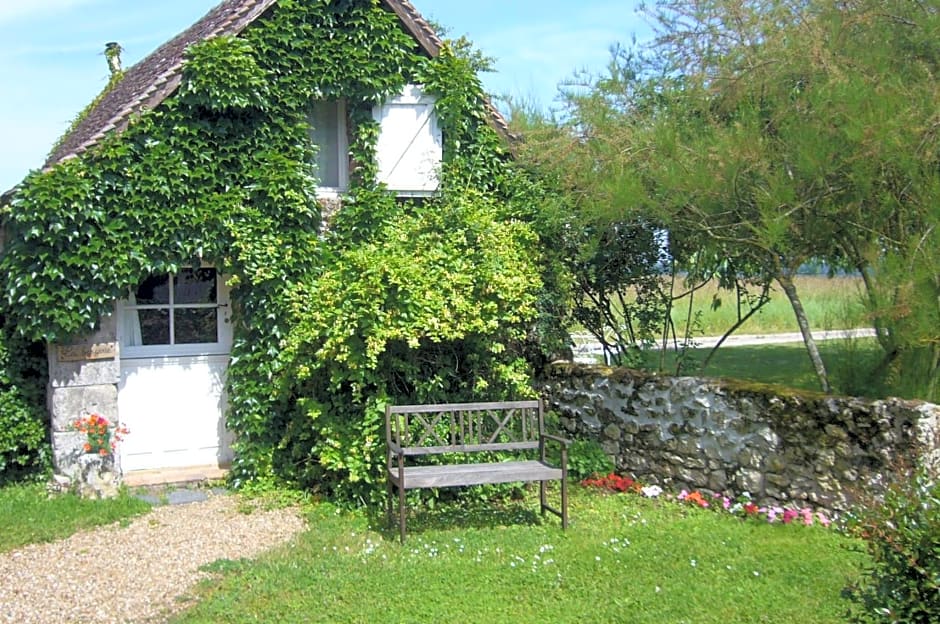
(96, 475)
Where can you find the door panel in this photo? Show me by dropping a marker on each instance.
(174, 409)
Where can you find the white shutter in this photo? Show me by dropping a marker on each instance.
(410, 147)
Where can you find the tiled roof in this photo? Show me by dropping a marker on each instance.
(146, 84)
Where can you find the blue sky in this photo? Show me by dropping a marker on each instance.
(52, 62)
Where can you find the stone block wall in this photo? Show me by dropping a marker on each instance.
(782, 447)
(83, 379)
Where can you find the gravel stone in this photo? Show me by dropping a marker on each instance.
(138, 573)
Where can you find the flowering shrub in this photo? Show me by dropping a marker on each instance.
(693, 498)
(742, 507)
(902, 535)
(101, 437)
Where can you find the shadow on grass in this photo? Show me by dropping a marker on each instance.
(457, 515)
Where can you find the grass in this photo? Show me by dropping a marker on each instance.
(786, 364)
(830, 303)
(29, 515)
(623, 559)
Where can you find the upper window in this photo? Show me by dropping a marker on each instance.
(410, 146)
(328, 132)
(176, 314)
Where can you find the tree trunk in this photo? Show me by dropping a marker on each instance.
(786, 282)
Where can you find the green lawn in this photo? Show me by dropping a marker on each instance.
(787, 364)
(623, 559)
(28, 515)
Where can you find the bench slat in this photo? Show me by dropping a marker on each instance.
(461, 407)
(475, 474)
(417, 451)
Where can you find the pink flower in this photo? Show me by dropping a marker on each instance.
(807, 514)
(823, 520)
(684, 494)
(790, 515)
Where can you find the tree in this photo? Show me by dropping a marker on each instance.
(779, 132)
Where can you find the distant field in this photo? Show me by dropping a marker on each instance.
(830, 303)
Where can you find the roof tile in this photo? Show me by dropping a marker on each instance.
(146, 84)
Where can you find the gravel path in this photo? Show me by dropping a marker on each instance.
(137, 573)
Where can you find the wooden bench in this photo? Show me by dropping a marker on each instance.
(457, 430)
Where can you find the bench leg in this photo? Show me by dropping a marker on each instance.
(401, 512)
(543, 499)
(389, 493)
(564, 504)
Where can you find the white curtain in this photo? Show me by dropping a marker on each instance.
(130, 322)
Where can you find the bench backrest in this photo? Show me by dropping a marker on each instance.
(464, 427)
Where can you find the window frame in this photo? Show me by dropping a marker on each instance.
(222, 345)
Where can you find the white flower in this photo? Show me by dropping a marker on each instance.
(651, 491)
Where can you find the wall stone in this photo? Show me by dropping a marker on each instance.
(780, 446)
(79, 386)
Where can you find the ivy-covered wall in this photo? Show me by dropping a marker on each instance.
(399, 300)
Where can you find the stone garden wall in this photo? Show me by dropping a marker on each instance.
(781, 447)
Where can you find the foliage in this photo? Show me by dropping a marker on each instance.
(221, 74)
(223, 172)
(587, 458)
(432, 308)
(622, 559)
(772, 134)
(23, 420)
(902, 535)
(621, 297)
(29, 515)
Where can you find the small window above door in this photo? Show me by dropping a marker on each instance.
(183, 313)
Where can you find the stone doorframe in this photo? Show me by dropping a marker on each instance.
(83, 379)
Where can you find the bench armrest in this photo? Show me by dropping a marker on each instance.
(565, 442)
(394, 449)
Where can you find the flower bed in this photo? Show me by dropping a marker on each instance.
(742, 506)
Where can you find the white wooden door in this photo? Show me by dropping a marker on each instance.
(175, 338)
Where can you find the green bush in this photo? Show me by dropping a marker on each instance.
(430, 308)
(586, 458)
(23, 442)
(902, 535)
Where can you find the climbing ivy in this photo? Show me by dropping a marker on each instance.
(415, 300)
